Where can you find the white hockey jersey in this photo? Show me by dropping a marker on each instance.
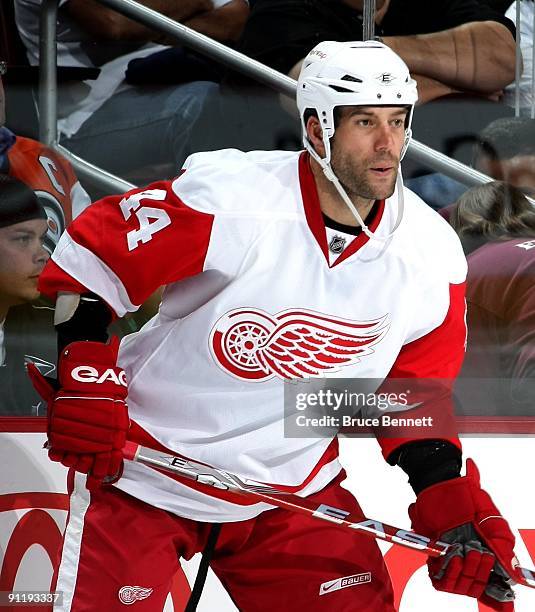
(251, 300)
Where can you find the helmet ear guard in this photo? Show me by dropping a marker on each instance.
(352, 74)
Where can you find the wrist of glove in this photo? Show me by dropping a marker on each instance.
(482, 562)
(87, 415)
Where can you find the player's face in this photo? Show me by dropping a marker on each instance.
(22, 259)
(366, 148)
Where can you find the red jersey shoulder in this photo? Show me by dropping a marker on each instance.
(137, 241)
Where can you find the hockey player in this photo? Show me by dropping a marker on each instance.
(278, 266)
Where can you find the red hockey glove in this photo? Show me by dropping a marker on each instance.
(87, 416)
(482, 563)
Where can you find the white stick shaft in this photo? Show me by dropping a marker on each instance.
(220, 479)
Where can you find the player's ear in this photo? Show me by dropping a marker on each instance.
(315, 134)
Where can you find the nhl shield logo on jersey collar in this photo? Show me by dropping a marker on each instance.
(337, 244)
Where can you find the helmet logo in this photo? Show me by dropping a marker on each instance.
(321, 54)
(386, 78)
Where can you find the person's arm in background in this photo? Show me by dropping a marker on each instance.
(453, 46)
(477, 56)
(106, 24)
(223, 23)
(430, 89)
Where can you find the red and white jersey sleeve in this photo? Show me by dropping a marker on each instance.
(436, 357)
(124, 247)
(434, 349)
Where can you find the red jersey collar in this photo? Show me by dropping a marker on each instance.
(314, 216)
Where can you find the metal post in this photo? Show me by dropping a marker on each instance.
(368, 20)
(48, 89)
(85, 171)
(518, 61)
(442, 163)
(533, 70)
(48, 107)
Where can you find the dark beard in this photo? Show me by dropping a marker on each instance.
(354, 182)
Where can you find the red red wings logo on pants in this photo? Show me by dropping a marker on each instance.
(130, 594)
(250, 344)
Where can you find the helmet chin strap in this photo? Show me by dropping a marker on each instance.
(331, 176)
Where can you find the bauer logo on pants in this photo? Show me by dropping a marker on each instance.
(345, 582)
(130, 594)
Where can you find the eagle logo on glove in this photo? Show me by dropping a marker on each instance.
(252, 345)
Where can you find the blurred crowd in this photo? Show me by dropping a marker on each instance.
(135, 103)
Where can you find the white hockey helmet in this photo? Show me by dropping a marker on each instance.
(352, 74)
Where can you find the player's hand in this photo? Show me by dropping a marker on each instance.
(87, 415)
(482, 562)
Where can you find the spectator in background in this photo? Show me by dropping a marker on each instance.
(25, 331)
(496, 225)
(120, 127)
(505, 151)
(39, 196)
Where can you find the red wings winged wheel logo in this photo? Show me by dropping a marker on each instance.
(250, 344)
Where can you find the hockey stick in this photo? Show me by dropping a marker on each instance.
(219, 479)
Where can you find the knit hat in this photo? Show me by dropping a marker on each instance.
(18, 202)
